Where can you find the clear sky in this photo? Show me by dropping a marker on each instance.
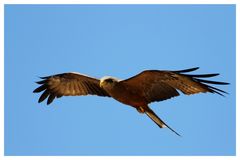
(119, 41)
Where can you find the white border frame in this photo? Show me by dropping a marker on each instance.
(2, 2)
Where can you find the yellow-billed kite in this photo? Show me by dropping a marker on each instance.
(137, 91)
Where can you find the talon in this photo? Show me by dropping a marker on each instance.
(141, 109)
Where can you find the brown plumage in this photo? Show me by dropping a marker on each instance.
(138, 91)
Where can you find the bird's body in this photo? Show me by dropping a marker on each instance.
(123, 93)
(138, 91)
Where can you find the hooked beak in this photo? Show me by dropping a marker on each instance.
(101, 84)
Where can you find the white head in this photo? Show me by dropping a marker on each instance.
(108, 82)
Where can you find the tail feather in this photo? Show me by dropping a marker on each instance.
(158, 121)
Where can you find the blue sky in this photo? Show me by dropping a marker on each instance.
(121, 41)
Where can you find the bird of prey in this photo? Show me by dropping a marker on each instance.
(138, 91)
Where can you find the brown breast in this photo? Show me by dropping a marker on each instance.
(127, 95)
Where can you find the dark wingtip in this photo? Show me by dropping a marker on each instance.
(40, 89)
(216, 90)
(201, 75)
(40, 100)
(50, 99)
(43, 96)
(45, 77)
(219, 93)
(41, 82)
(186, 70)
(36, 90)
(212, 82)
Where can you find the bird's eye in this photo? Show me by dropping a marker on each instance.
(109, 80)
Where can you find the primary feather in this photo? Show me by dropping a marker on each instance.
(158, 85)
(68, 84)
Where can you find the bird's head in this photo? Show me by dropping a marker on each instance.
(108, 82)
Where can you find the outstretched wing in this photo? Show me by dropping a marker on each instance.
(68, 84)
(157, 85)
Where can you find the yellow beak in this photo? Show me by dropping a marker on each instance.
(101, 84)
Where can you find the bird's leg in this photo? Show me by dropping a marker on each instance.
(140, 109)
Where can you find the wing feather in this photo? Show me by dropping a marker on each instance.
(156, 85)
(68, 84)
(51, 98)
(43, 96)
(187, 70)
(84, 88)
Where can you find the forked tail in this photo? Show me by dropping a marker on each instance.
(157, 120)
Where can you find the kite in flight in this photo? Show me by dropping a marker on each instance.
(138, 91)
